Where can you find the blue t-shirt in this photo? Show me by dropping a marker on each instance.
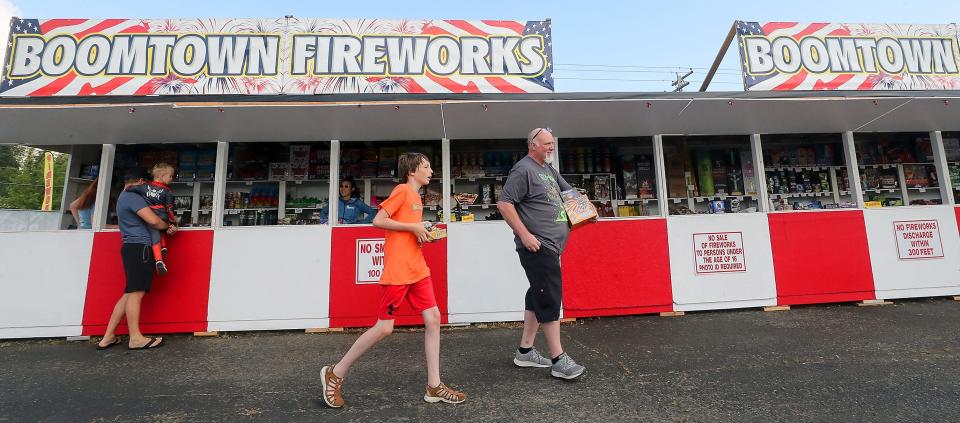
(133, 230)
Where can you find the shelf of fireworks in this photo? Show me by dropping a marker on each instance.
(806, 172)
(192, 181)
(617, 174)
(897, 169)
(710, 175)
(478, 170)
(276, 183)
(369, 173)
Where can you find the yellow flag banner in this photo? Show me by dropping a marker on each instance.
(47, 182)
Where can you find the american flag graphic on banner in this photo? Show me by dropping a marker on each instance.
(87, 57)
(70, 84)
(794, 56)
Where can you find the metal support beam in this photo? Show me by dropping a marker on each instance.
(853, 168)
(219, 184)
(759, 173)
(333, 203)
(102, 205)
(660, 173)
(445, 179)
(943, 168)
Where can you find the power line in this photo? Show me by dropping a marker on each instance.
(631, 71)
(640, 80)
(639, 66)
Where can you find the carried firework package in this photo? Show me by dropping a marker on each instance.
(578, 207)
(434, 231)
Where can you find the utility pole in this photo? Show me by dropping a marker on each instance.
(680, 83)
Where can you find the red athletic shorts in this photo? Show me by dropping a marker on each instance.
(419, 294)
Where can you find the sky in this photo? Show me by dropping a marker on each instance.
(598, 45)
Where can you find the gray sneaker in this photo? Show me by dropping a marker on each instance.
(531, 359)
(566, 368)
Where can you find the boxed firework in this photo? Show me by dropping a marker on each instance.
(183, 202)
(578, 207)
(486, 193)
(888, 180)
(319, 167)
(704, 167)
(719, 174)
(299, 162)
(646, 182)
(465, 198)
(601, 187)
(279, 171)
(631, 185)
(916, 176)
(734, 177)
(676, 182)
(431, 197)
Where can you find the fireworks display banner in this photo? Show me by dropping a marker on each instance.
(792, 56)
(87, 57)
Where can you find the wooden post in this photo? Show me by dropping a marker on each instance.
(777, 308)
(873, 303)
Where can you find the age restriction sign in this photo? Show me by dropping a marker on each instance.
(369, 260)
(719, 252)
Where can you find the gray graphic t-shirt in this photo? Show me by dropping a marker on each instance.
(535, 191)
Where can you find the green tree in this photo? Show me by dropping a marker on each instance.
(10, 156)
(21, 177)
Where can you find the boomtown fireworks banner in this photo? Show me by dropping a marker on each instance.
(85, 57)
(822, 56)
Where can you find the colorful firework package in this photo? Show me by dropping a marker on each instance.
(579, 209)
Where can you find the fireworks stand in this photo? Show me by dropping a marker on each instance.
(707, 200)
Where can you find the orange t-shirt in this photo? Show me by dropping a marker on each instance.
(403, 262)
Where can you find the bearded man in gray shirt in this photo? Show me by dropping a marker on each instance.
(530, 203)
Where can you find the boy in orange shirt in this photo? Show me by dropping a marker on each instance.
(405, 276)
